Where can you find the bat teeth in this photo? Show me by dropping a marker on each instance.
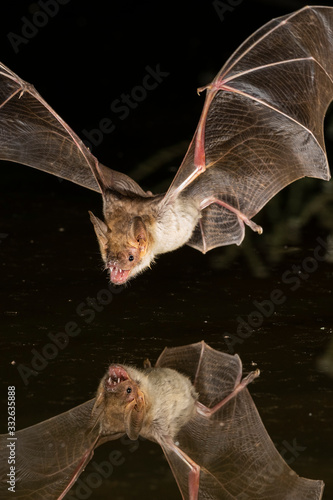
(116, 375)
(117, 275)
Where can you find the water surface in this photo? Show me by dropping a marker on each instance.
(51, 275)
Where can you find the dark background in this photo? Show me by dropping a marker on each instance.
(84, 58)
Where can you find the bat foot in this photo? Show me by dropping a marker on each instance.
(202, 89)
(241, 217)
(207, 412)
(255, 227)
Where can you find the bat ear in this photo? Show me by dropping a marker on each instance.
(134, 415)
(101, 229)
(147, 364)
(99, 400)
(139, 235)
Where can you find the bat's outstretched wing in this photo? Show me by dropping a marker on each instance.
(261, 126)
(225, 452)
(49, 456)
(33, 134)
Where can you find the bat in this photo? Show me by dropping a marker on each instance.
(194, 403)
(261, 128)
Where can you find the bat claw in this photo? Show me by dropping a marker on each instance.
(255, 227)
(201, 89)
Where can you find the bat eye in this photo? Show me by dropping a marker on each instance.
(129, 390)
(131, 258)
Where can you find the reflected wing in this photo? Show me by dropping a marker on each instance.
(50, 455)
(33, 134)
(261, 126)
(226, 438)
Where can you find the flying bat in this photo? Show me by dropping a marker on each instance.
(194, 403)
(261, 128)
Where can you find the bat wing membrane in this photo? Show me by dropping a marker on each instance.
(33, 134)
(236, 456)
(50, 455)
(261, 127)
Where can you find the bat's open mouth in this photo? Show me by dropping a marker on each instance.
(117, 374)
(118, 276)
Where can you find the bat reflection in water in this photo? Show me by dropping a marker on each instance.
(194, 403)
(261, 128)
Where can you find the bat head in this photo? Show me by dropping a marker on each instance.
(123, 243)
(117, 383)
(123, 402)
